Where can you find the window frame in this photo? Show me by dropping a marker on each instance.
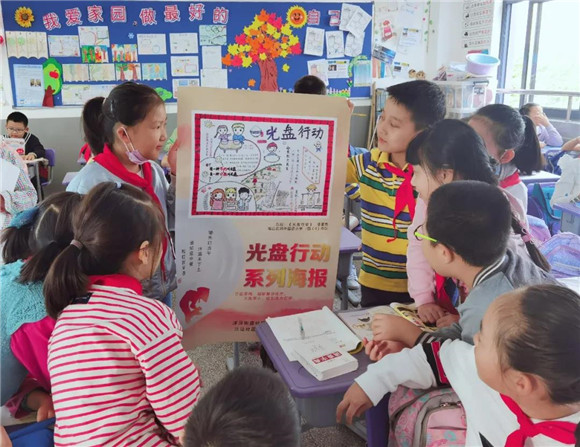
(558, 113)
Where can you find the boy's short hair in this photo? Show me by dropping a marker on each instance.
(526, 109)
(472, 218)
(18, 117)
(310, 85)
(423, 99)
(250, 407)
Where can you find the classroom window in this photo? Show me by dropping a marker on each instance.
(539, 48)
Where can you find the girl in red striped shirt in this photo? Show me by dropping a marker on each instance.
(119, 374)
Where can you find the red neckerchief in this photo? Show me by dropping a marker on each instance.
(510, 180)
(557, 430)
(117, 280)
(443, 298)
(108, 160)
(405, 196)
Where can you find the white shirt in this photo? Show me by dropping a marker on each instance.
(487, 415)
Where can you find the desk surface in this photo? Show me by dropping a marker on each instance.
(300, 382)
(36, 160)
(540, 177)
(349, 242)
(571, 208)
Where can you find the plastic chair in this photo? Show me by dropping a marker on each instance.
(51, 157)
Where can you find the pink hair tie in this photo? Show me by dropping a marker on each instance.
(526, 237)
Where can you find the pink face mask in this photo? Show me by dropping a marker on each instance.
(134, 155)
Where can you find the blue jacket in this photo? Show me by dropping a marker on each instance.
(20, 304)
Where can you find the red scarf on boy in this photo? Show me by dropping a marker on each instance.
(404, 196)
(111, 163)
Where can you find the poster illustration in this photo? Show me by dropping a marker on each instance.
(258, 212)
(261, 165)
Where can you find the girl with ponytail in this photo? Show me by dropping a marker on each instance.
(118, 372)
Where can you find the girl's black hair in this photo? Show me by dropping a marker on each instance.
(452, 144)
(23, 242)
(541, 336)
(128, 104)
(52, 234)
(511, 130)
(111, 223)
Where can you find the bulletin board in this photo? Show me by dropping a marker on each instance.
(66, 52)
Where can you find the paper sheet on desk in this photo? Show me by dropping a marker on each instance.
(321, 323)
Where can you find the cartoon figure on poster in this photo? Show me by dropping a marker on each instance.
(262, 165)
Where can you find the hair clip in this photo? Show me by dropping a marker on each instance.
(118, 185)
(23, 218)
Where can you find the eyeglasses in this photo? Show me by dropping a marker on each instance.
(13, 130)
(419, 236)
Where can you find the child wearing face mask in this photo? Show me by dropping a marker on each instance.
(519, 384)
(511, 140)
(127, 132)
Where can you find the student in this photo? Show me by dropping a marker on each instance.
(511, 140)
(518, 385)
(250, 407)
(118, 371)
(387, 198)
(465, 237)
(22, 197)
(17, 127)
(310, 85)
(547, 133)
(127, 132)
(450, 150)
(30, 245)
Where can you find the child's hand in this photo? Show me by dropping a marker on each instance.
(376, 350)
(40, 401)
(4, 438)
(172, 157)
(394, 328)
(447, 320)
(572, 145)
(30, 156)
(430, 312)
(350, 106)
(2, 204)
(354, 403)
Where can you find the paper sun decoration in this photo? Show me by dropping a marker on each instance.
(24, 17)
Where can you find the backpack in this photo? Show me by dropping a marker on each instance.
(426, 418)
(563, 254)
(538, 229)
(542, 193)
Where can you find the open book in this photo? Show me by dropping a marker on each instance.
(359, 321)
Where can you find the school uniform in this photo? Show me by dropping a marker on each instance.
(164, 280)
(549, 135)
(117, 366)
(387, 207)
(509, 180)
(492, 419)
(508, 273)
(32, 145)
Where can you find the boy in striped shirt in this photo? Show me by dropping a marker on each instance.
(387, 197)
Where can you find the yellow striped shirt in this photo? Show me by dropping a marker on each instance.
(384, 263)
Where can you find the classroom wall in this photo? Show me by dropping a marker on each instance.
(65, 136)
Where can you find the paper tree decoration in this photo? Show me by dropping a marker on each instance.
(262, 42)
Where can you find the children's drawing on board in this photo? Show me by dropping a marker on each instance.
(261, 165)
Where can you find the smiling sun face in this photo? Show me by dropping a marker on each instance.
(297, 16)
